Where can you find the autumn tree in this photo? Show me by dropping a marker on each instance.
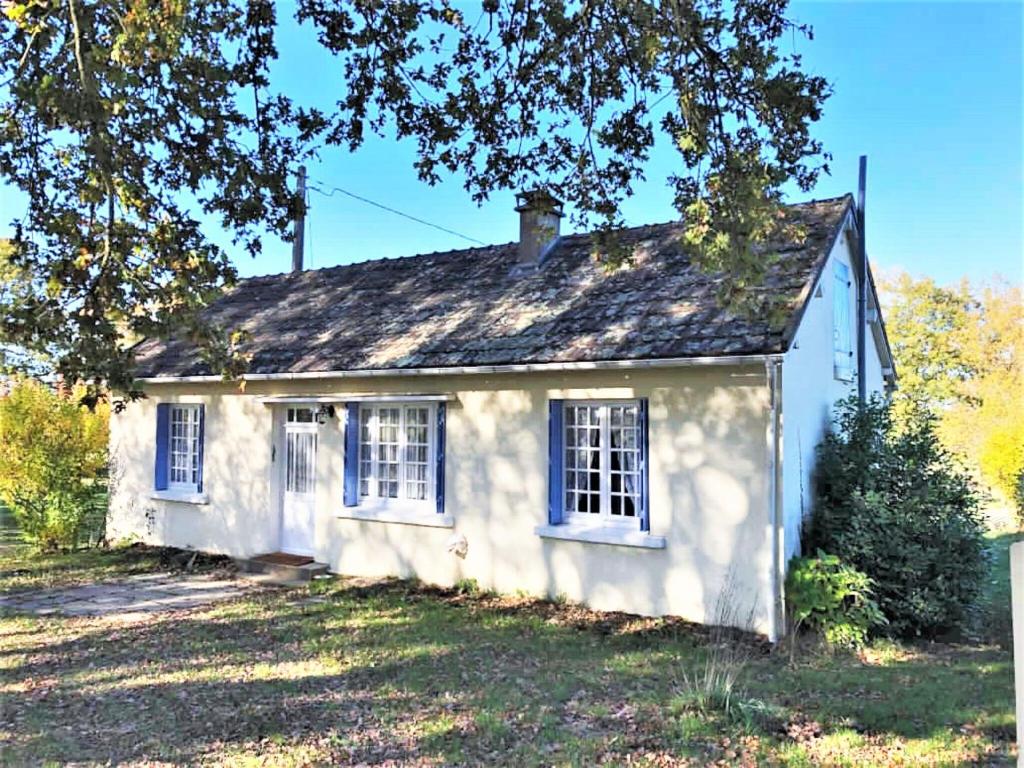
(960, 354)
(53, 459)
(122, 121)
(988, 424)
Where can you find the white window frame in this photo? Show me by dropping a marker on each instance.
(604, 518)
(401, 503)
(192, 454)
(842, 339)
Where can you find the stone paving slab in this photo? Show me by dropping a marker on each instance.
(142, 594)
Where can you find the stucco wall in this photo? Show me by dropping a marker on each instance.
(810, 389)
(707, 479)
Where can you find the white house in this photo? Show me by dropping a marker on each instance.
(611, 436)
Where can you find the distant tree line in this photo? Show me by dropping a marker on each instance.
(959, 353)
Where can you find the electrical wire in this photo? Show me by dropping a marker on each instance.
(383, 207)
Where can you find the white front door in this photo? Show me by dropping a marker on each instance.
(298, 505)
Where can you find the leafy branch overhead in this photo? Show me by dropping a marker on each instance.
(125, 122)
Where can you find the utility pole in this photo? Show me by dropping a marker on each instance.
(298, 241)
(862, 284)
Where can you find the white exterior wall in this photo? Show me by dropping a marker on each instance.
(810, 389)
(708, 488)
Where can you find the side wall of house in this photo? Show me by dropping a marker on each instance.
(810, 389)
(708, 488)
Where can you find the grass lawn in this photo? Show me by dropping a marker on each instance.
(396, 673)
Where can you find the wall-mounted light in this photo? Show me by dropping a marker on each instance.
(323, 413)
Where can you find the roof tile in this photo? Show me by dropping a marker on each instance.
(471, 307)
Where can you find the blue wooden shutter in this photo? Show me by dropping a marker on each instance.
(439, 468)
(645, 469)
(555, 462)
(202, 441)
(163, 445)
(351, 454)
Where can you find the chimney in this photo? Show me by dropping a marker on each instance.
(539, 215)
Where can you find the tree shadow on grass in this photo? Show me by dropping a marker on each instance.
(24, 569)
(918, 694)
(393, 671)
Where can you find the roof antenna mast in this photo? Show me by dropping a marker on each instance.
(862, 280)
(298, 244)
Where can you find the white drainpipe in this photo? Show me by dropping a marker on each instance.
(773, 380)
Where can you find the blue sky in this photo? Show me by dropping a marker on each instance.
(932, 92)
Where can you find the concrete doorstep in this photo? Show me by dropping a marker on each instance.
(261, 571)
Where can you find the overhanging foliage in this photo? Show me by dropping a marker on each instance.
(123, 121)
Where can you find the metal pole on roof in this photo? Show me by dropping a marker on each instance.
(862, 280)
(298, 231)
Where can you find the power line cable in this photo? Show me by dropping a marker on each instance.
(374, 203)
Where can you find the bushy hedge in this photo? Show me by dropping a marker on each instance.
(891, 504)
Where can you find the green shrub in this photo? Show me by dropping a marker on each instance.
(1018, 498)
(53, 459)
(832, 599)
(891, 504)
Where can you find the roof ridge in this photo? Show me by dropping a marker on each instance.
(378, 260)
(574, 236)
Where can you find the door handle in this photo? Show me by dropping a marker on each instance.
(273, 453)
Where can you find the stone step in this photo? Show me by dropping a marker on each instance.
(280, 572)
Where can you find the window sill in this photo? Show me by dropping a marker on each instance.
(402, 517)
(601, 535)
(184, 497)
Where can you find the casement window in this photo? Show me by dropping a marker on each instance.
(394, 455)
(180, 434)
(598, 463)
(842, 323)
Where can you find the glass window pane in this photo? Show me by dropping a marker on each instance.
(415, 456)
(395, 459)
(586, 478)
(184, 445)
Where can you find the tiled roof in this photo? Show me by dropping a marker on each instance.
(473, 308)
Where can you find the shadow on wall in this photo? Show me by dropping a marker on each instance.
(714, 471)
(240, 518)
(707, 487)
(130, 516)
(359, 547)
(497, 468)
